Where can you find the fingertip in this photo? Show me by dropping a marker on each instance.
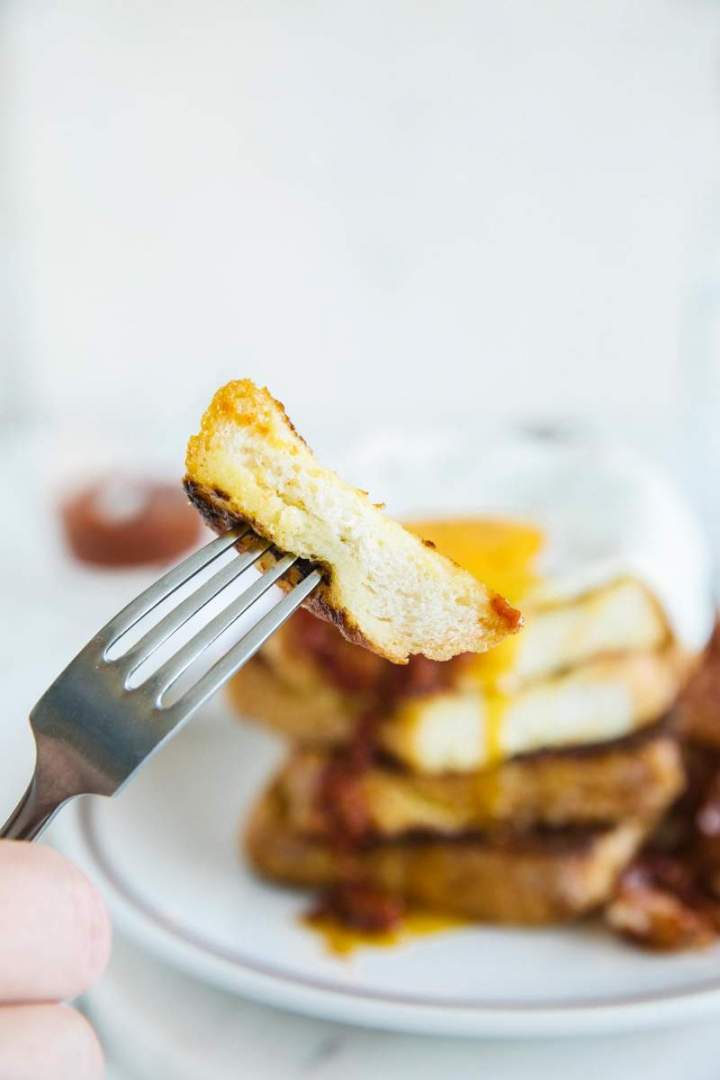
(77, 1044)
(93, 928)
(48, 1041)
(91, 922)
(62, 936)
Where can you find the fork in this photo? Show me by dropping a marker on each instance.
(93, 730)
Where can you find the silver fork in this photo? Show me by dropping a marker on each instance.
(93, 731)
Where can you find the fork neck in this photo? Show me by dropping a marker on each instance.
(30, 817)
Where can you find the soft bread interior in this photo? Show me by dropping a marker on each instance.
(618, 617)
(384, 587)
(463, 729)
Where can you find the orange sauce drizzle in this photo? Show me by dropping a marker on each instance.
(502, 554)
(344, 941)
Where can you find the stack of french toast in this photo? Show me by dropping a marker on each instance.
(443, 751)
(513, 795)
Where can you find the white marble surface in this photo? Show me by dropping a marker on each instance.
(160, 1025)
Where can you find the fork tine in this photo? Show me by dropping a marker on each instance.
(130, 661)
(242, 650)
(166, 586)
(173, 668)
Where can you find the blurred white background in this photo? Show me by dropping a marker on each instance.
(415, 208)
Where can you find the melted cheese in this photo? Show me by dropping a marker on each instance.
(502, 553)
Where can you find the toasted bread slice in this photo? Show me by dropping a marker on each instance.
(462, 730)
(622, 616)
(457, 729)
(384, 588)
(533, 879)
(632, 778)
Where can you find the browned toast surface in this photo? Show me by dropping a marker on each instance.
(533, 880)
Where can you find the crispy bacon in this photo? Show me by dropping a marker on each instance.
(506, 611)
(341, 798)
(359, 907)
(350, 667)
(661, 905)
(356, 670)
(343, 804)
(419, 677)
(669, 897)
(697, 714)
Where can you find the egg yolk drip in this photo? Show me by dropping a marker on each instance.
(345, 940)
(502, 554)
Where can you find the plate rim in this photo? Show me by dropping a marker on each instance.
(76, 833)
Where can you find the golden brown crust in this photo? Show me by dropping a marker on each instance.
(224, 406)
(533, 880)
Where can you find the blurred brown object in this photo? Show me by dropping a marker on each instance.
(669, 897)
(660, 904)
(123, 521)
(697, 713)
(358, 906)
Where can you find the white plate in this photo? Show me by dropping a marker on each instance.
(164, 851)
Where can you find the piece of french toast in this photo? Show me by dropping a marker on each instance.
(635, 777)
(383, 587)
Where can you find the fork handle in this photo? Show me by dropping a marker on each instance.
(30, 816)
